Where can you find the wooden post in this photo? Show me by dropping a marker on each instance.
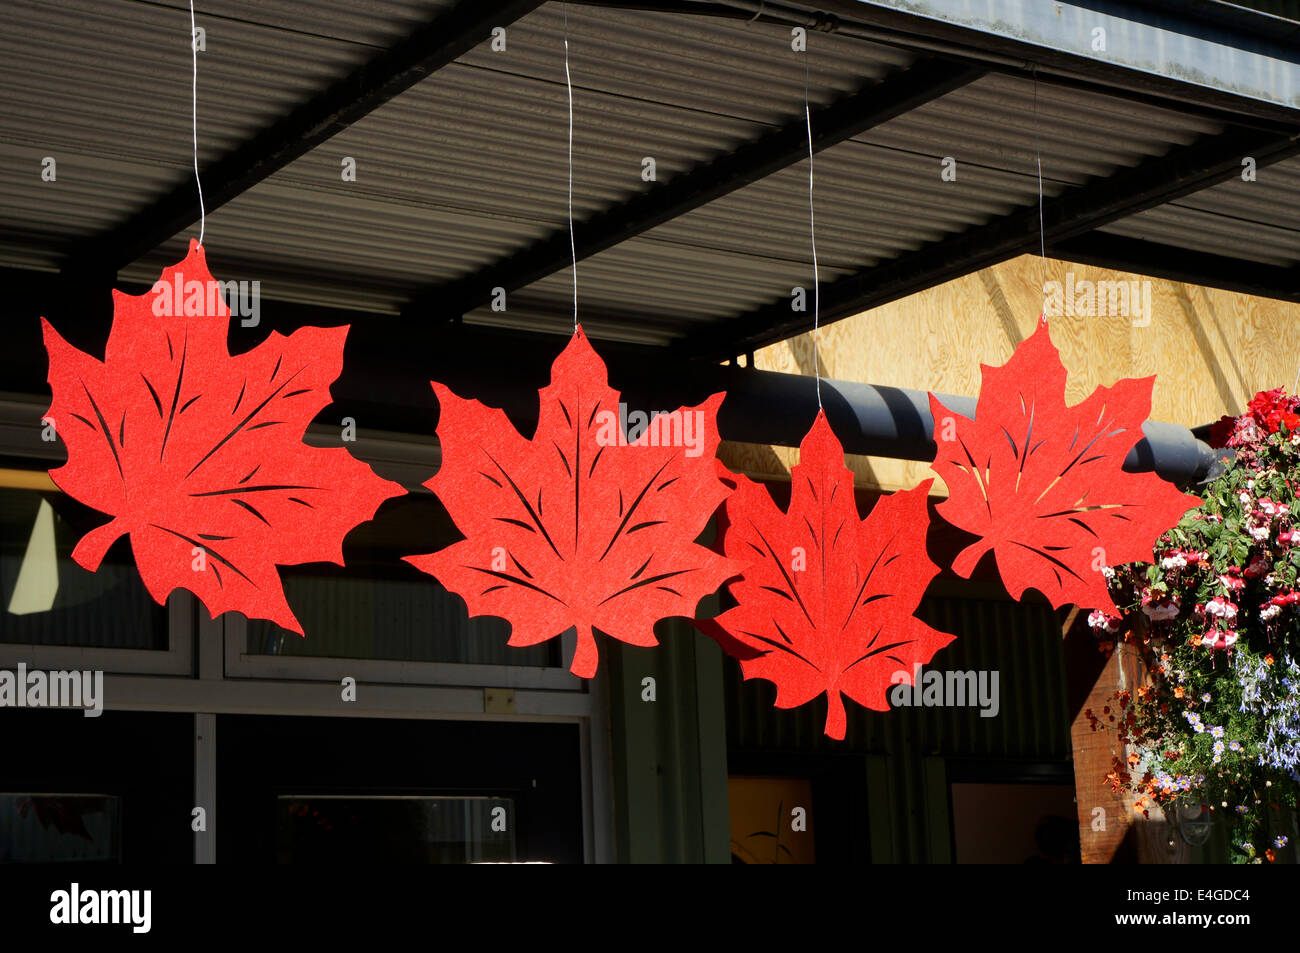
(1111, 829)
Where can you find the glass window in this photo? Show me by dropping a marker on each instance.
(764, 829)
(42, 828)
(415, 830)
(1015, 823)
(379, 607)
(47, 598)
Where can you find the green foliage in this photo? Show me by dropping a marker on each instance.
(1217, 621)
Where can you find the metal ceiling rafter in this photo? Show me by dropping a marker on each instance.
(1156, 260)
(811, 17)
(784, 146)
(1183, 171)
(427, 49)
(1205, 53)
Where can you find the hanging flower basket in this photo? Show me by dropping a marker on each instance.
(1217, 622)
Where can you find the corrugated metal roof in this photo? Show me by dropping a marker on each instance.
(104, 88)
(470, 165)
(1257, 220)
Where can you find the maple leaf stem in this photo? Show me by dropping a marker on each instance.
(89, 552)
(836, 719)
(585, 656)
(969, 557)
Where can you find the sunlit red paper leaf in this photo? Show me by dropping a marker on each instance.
(198, 454)
(571, 529)
(1042, 484)
(826, 600)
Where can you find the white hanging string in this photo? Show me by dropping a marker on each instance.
(573, 248)
(1042, 233)
(194, 120)
(812, 229)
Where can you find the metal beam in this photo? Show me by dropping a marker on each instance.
(847, 117)
(429, 48)
(1154, 182)
(1213, 53)
(1186, 100)
(1122, 253)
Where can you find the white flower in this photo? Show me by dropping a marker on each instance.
(1222, 608)
(1267, 506)
(1245, 497)
(1161, 611)
(1108, 572)
(1270, 612)
(1217, 640)
(1176, 561)
(1100, 620)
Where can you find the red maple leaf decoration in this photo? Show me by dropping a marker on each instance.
(198, 454)
(826, 601)
(575, 528)
(1042, 484)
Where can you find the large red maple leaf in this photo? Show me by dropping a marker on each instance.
(826, 600)
(198, 454)
(1042, 483)
(575, 528)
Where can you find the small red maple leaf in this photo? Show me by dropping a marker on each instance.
(576, 528)
(826, 600)
(65, 816)
(198, 454)
(1042, 484)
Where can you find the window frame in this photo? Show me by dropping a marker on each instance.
(20, 426)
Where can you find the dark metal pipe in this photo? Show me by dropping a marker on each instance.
(767, 407)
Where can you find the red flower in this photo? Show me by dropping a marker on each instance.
(1221, 431)
(1272, 408)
